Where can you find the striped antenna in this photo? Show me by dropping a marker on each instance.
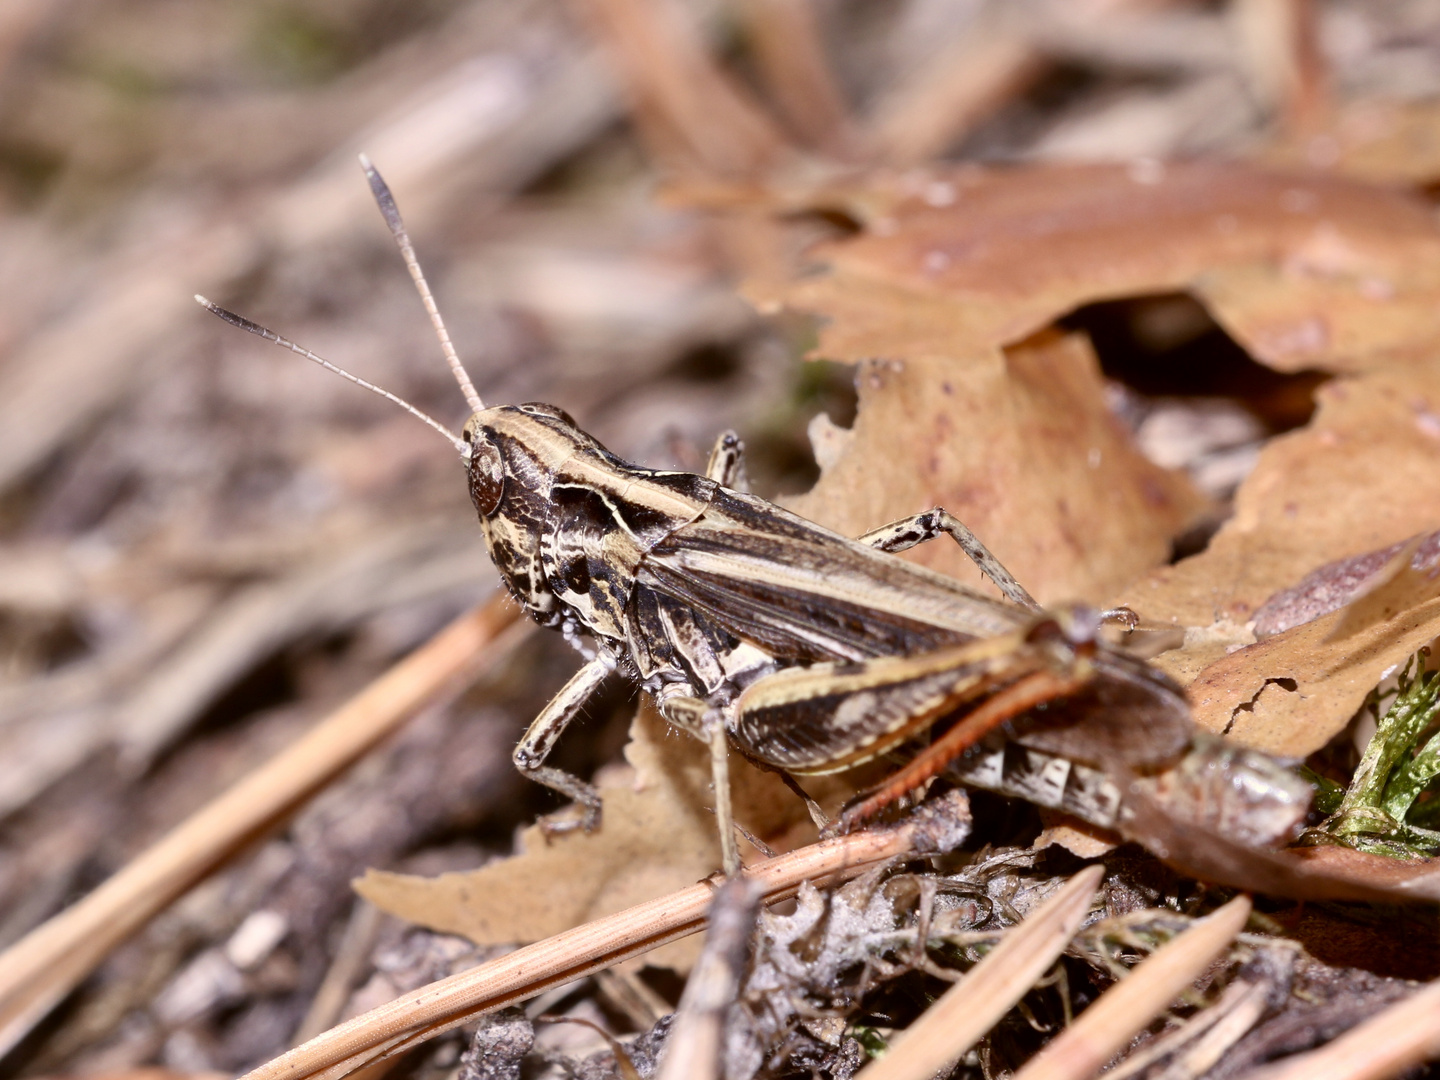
(386, 202)
(285, 343)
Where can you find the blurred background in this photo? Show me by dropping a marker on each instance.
(206, 543)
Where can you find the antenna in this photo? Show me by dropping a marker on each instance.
(285, 343)
(386, 202)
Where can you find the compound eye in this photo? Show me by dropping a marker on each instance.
(540, 408)
(486, 472)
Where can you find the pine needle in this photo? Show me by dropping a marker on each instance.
(40, 969)
(961, 1016)
(1123, 1011)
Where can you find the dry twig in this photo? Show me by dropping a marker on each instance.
(686, 104)
(695, 1048)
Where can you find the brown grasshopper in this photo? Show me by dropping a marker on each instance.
(808, 651)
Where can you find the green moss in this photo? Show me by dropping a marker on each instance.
(1381, 810)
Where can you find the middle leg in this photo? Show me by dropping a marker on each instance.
(692, 715)
(908, 532)
(727, 462)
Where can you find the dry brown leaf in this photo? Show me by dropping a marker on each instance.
(1364, 474)
(1020, 445)
(1075, 836)
(658, 834)
(1337, 583)
(1317, 873)
(956, 266)
(974, 257)
(1376, 140)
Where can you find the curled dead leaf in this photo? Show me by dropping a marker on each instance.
(1363, 475)
(657, 835)
(1315, 873)
(1292, 693)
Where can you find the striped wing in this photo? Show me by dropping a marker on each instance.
(806, 594)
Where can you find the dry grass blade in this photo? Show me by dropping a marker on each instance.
(40, 969)
(470, 125)
(1102, 1030)
(1203, 1037)
(1386, 1045)
(448, 1003)
(1286, 67)
(790, 54)
(938, 106)
(687, 105)
(350, 958)
(974, 1005)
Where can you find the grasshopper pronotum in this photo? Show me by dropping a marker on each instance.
(808, 651)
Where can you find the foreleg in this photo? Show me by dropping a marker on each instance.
(907, 532)
(540, 738)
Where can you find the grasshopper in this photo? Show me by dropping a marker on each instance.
(807, 651)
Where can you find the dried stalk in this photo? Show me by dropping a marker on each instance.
(45, 965)
(1286, 64)
(696, 1045)
(963, 85)
(1239, 1007)
(1386, 1045)
(687, 106)
(1123, 1011)
(970, 1008)
(422, 1014)
(471, 126)
(792, 61)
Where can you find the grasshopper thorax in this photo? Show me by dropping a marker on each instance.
(567, 523)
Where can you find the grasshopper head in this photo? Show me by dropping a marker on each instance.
(515, 453)
(512, 453)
